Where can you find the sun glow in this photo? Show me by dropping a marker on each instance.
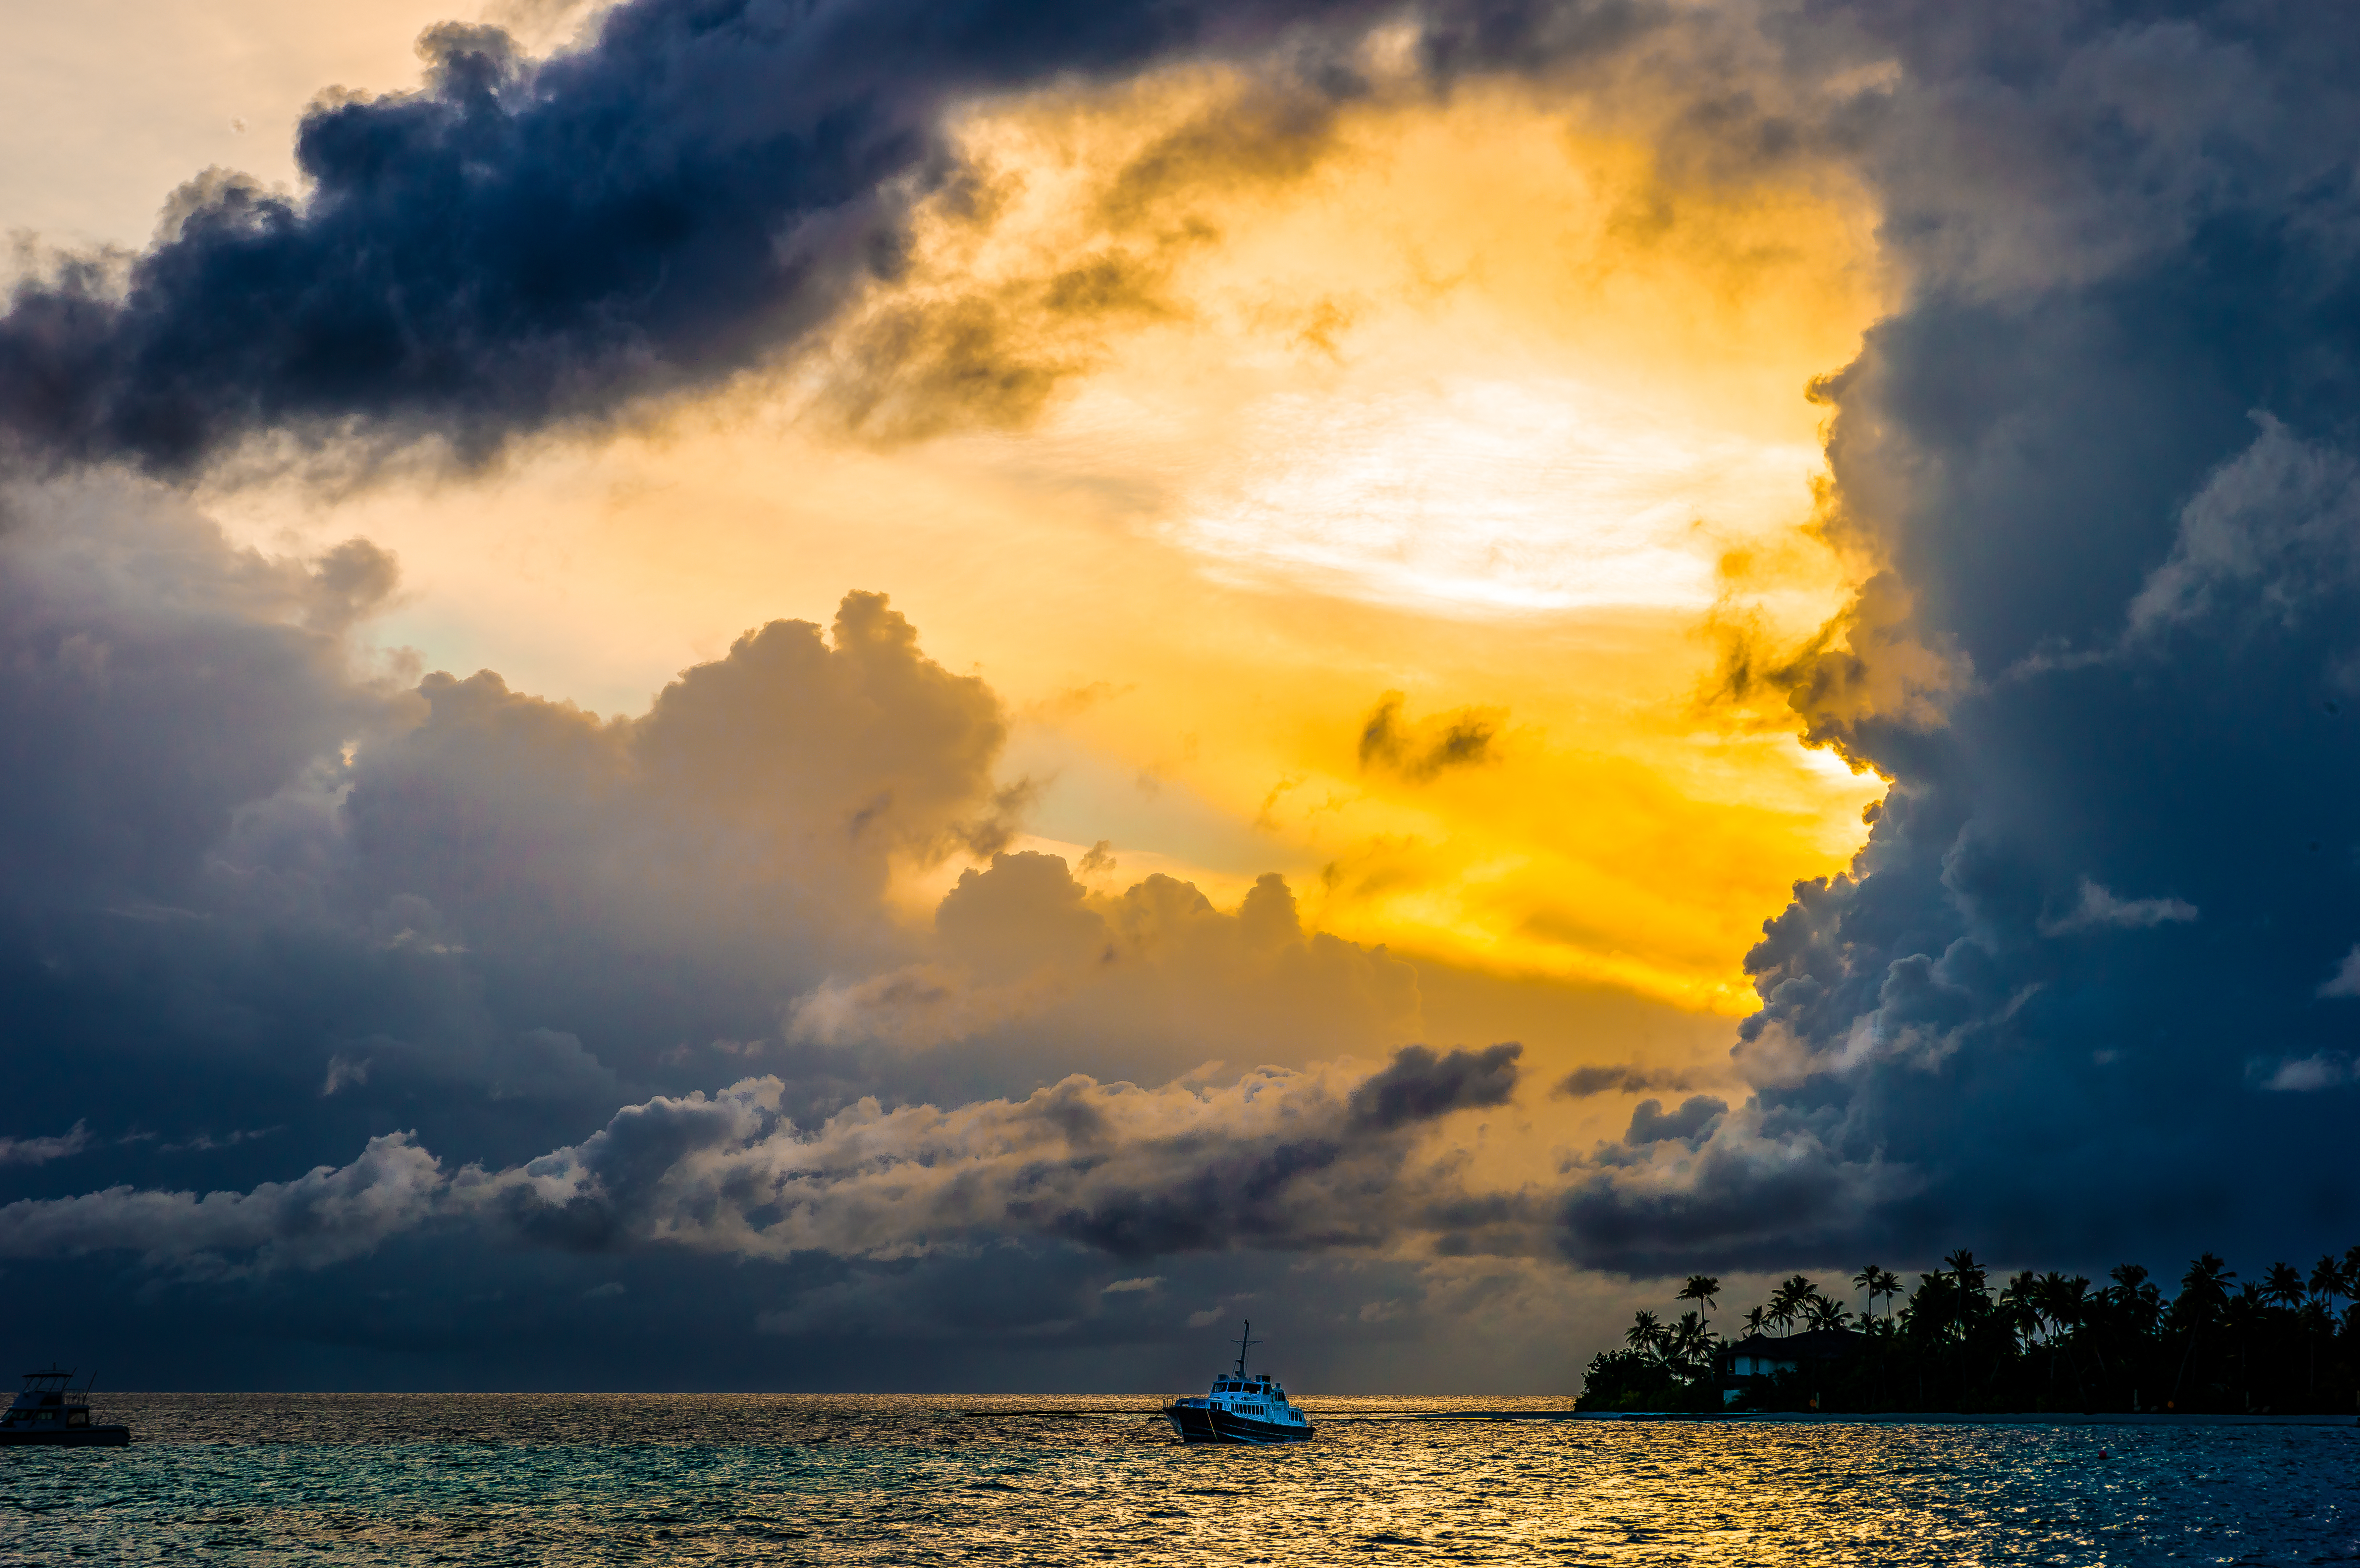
(1483, 498)
(1197, 444)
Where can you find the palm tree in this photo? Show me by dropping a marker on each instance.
(1878, 1282)
(1888, 1285)
(2206, 1284)
(2241, 1320)
(2283, 1285)
(2066, 1304)
(1788, 1301)
(2121, 1331)
(1928, 1316)
(1966, 1276)
(1701, 1288)
(1823, 1313)
(1927, 1310)
(2021, 1305)
(1689, 1346)
(2133, 1305)
(2054, 1298)
(2131, 1291)
(2314, 1321)
(2203, 1297)
(2327, 1281)
(1969, 1275)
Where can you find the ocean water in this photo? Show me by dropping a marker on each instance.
(522, 1478)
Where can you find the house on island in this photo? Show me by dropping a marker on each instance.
(1758, 1356)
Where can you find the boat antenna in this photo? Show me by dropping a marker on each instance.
(1242, 1343)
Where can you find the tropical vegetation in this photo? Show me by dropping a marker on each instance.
(2285, 1341)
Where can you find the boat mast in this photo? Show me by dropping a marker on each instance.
(1242, 1343)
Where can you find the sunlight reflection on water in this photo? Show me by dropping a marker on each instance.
(792, 1479)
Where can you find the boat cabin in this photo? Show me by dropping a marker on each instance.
(49, 1402)
(1239, 1409)
(1254, 1396)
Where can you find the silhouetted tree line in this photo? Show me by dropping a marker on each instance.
(2288, 1341)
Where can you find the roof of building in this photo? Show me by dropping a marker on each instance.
(1811, 1344)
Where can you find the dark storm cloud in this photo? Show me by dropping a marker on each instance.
(522, 241)
(2087, 990)
(155, 683)
(325, 1216)
(1278, 1161)
(252, 879)
(1420, 1085)
(426, 931)
(1752, 1202)
(527, 241)
(1618, 1078)
(2075, 999)
(1695, 1118)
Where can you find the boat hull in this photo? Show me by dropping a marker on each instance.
(1199, 1422)
(67, 1437)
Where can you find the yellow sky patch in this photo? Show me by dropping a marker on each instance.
(108, 105)
(1203, 419)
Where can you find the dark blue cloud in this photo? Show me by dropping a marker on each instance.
(2107, 450)
(523, 241)
(2086, 993)
(1419, 1086)
(1697, 1114)
(251, 887)
(304, 964)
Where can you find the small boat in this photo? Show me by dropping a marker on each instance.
(52, 1411)
(1239, 1409)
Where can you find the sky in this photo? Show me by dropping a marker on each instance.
(708, 693)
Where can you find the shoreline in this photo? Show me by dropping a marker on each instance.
(1955, 1418)
(1827, 1418)
(1346, 1410)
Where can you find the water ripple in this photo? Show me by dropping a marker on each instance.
(789, 1479)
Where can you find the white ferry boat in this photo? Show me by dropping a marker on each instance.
(1239, 1409)
(52, 1411)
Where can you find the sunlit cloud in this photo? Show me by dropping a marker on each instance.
(1235, 415)
(1478, 497)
